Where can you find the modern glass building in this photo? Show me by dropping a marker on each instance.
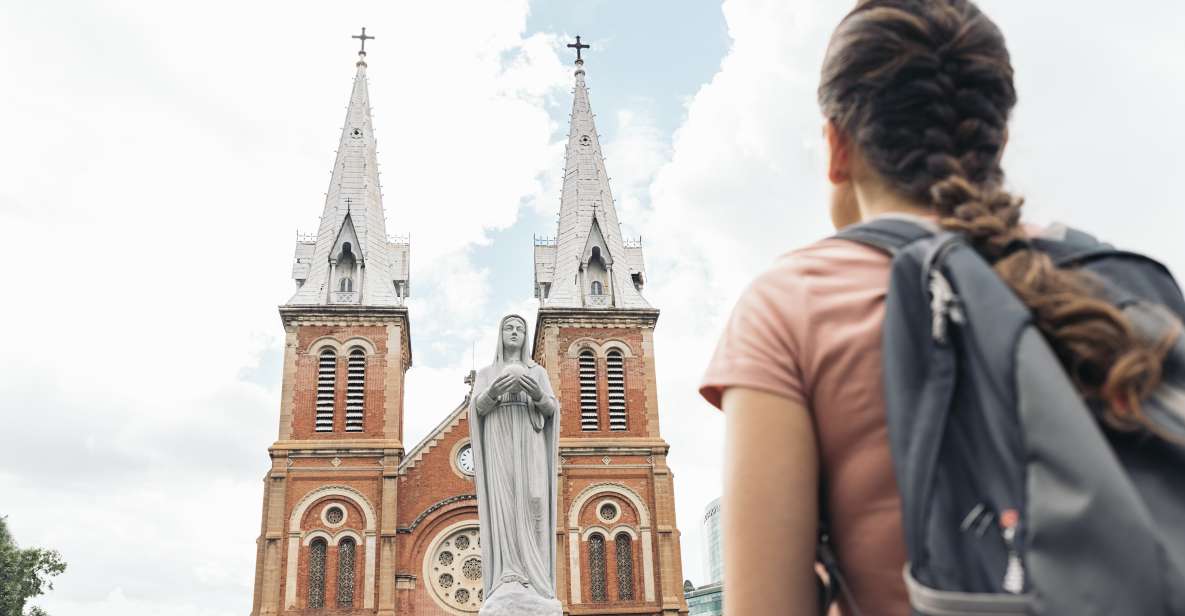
(713, 551)
(707, 600)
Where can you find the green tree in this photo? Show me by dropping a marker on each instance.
(24, 574)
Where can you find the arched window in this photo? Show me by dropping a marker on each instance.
(625, 566)
(346, 559)
(317, 572)
(326, 385)
(615, 370)
(355, 389)
(597, 289)
(346, 284)
(596, 567)
(588, 391)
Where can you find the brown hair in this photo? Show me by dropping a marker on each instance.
(924, 89)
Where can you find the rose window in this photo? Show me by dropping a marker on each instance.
(608, 511)
(453, 569)
(334, 515)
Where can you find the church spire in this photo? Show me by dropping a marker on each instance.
(350, 260)
(588, 265)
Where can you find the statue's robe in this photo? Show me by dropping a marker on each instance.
(515, 449)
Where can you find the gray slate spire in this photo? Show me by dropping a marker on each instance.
(372, 270)
(588, 254)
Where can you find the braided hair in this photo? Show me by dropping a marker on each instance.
(924, 89)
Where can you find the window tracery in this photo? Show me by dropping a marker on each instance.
(596, 568)
(453, 570)
(346, 561)
(625, 566)
(316, 574)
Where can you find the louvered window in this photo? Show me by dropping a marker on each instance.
(317, 573)
(346, 556)
(326, 384)
(355, 389)
(625, 566)
(588, 391)
(615, 369)
(596, 568)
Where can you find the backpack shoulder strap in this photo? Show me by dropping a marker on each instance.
(889, 234)
(1068, 246)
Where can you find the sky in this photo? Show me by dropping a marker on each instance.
(159, 159)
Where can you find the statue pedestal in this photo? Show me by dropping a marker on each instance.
(513, 599)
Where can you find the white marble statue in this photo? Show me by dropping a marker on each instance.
(513, 427)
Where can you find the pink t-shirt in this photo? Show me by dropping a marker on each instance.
(809, 329)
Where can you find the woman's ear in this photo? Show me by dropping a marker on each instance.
(839, 150)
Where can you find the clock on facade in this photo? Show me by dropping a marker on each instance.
(465, 459)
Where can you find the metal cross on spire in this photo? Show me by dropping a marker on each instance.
(578, 46)
(362, 37)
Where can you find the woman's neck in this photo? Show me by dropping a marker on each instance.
(876, 199)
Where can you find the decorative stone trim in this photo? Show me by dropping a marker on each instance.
(646, 539)
(325, 514)
(590, 530)
(313, 534)
(600, 349)
(344, 492)
(616, 511)
(404, 530)
(342, 534)
(370, 546)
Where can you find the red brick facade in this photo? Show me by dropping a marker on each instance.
(401, 506)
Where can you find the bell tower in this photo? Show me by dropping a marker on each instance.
(327, 537)
(595, 335)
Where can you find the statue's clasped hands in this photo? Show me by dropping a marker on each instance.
(510, 382)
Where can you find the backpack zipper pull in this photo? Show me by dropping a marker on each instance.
(944, 306)
(1014, 573)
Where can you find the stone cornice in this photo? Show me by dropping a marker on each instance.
(362, 447)
(404, 530)
(595, 446)
(644, 318)
(351, 315)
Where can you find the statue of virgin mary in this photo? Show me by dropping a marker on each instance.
(512, 423)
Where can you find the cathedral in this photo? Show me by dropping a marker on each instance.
(354, 521)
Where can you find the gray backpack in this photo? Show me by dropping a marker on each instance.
(1016, 499)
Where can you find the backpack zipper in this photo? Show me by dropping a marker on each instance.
(1014, 573)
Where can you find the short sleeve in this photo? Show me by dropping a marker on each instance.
(759, 348)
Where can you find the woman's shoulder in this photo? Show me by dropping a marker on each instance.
(829, 261)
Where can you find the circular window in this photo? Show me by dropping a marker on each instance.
(453, 567)
(463, 458)
(472, 569)
(333, 515)
(585, 140)
(356, 133)
(608, 511)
